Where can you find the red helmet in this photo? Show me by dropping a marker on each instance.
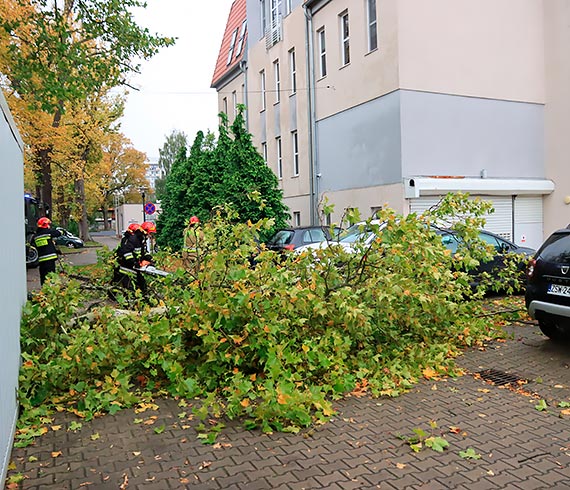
(44, 222)
(134, 227)
(149, 227)
(194, 220)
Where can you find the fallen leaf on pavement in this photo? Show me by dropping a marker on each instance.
(400, 466)
(55, 454)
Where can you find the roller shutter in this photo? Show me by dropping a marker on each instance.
(499, 222)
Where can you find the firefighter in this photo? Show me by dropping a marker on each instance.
(192, 237)
(47, 252)
(150, 229)
(129, 254)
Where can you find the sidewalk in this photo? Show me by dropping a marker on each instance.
(520, 447)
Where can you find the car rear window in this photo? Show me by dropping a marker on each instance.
(313, 236)
(281, 238)
(556, 249)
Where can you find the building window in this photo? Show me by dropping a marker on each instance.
(372, 25)
(277, 81)
(263, 90)
(295, 148)
(275, 10)
(225, 105)
(279, 159)
(264, 151)
(293, 71)
(296, 218)
(322, 52)
(232, 46)
(344, 39)
(234, 102)
(241, 38)
(288, 7)
(263, 16)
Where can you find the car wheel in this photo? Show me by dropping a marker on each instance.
(31, 256)
(554, 330)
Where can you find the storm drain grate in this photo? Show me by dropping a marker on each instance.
(500, 378)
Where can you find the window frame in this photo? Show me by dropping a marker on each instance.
(264, 151)
(293, 70)
(234, 102)
(322, 47)
(295, 151)
(241, 38)
(296, 218)
(372, 24)
(263, 90)
(275, 11)
(263, 17)
(277, 77)
(232, 46)
(344, 38)
(279, 158)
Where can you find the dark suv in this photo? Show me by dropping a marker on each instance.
(548, 286)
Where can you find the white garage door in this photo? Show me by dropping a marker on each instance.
(499, 222)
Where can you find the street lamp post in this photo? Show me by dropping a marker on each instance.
(143, 201)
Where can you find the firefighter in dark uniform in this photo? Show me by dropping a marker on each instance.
(129, 254)
(47, 252)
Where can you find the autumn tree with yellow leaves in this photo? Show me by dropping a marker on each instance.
(56, 57)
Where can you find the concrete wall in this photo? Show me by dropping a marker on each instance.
(12, 280)
(360, 147)
(557, 113)
(453, 135)
(483, 48)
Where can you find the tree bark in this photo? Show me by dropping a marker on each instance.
(83, 221)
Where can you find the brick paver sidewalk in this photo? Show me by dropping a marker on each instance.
(521, 447)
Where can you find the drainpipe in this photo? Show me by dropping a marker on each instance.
(313, 182)
(243, 69)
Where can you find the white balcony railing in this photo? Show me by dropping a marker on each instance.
(273, 33)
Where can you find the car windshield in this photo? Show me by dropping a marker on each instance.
(357, 232)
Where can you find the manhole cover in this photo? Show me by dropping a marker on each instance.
(500, 378)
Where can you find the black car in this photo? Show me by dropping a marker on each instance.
(548, 286)
(67, 239)
(493, 266)
(291, 238)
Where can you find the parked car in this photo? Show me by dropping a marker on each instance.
(362, 233)
(67, 239)
(547, 294)
(502, 248)
(293, 238)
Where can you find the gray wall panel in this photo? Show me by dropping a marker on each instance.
(360, 147)
(453, 135)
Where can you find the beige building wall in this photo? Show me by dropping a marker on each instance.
(367, 200)
(289, 114)
(226, 96)
(485, 48)
(369, 74)
(557, 113)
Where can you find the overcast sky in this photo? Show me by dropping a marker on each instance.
(174, 85)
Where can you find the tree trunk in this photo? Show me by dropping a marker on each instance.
(83, 222)
(106, 226)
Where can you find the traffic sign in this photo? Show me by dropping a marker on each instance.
(149, 208)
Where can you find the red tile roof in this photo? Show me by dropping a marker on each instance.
(238, 15)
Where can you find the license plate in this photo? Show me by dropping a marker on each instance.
(559, 290)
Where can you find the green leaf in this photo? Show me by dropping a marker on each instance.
(469, 454)
(541, 406)
(159, 429)
(74, 425)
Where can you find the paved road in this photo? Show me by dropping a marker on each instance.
(520, 447)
